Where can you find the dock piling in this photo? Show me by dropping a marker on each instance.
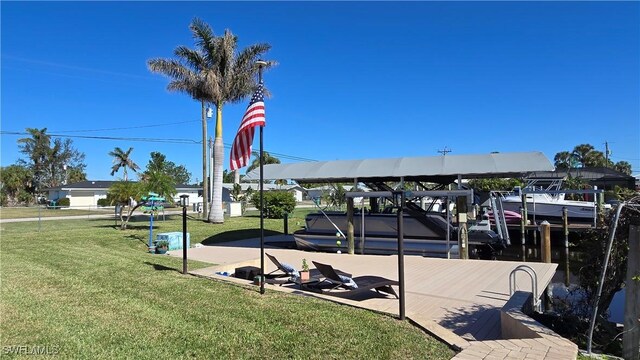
(545, 241)
(565, 226)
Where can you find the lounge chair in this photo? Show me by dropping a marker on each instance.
(357, 285)
(281, 274)
(284, 273)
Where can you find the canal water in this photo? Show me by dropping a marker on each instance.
(566, 277)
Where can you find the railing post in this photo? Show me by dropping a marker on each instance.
(286, 223)
(523, 223)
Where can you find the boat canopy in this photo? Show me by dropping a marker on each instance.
(438, 169)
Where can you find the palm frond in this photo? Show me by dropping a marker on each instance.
(204, 37)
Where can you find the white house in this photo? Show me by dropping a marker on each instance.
(85, 194)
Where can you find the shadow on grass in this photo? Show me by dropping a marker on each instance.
(159, 267)
(234, 235)
(140, 238)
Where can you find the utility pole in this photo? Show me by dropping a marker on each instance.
(445, 151)
(606, 153)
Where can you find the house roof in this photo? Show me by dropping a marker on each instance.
(587, 173)
(426, 168)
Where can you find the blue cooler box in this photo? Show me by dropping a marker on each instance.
(174, 239)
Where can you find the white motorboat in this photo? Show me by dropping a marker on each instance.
(550, 206)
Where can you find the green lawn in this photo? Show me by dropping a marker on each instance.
(34, 212)
(87, 290)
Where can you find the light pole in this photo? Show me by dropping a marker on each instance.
(398, 202)
(184, 202)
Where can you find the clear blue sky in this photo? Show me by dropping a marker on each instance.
(355, 80)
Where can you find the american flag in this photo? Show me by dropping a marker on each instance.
(254, 116)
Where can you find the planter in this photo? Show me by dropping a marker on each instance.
(304, 275)
(162, 250)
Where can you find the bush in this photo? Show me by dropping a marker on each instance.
(103, 202)
(276, 203)
(63, 202)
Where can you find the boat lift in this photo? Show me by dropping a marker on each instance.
(449, 195)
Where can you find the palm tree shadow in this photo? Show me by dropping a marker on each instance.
(159, 267)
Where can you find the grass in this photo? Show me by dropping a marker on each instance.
(35, 212)
(87, 290)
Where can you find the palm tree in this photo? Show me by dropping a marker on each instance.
(563, 160)
(234, 77)
(623, 167)
(212, 73)
(122, 160)
(190, 73)
(268, 159)
(581, 153)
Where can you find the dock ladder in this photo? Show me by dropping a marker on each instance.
(535, 302)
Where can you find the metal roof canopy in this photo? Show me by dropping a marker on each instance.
(439, 169)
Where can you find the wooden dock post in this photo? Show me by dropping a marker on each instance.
(350, 241)
(523, 223)
(565, 226)
(545, 241)
(631, 337)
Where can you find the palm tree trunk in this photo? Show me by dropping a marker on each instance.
(205, 183)
(216, 215)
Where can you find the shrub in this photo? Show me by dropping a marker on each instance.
(276, 203)
(103, 202)
(63, 202)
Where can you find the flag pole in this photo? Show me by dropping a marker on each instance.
(260, 64)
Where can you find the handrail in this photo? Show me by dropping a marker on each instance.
(534, 282)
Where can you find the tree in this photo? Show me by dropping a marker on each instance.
(228, 176)
(563, 160)
(50, 162)
(581, 152)
(158, 162)
(16, 186)
(596, 158)
(191, 74)
(623, 167)
(235, 78)
(125, 193)
(215, 72)
(494, 184)
(122, 159)
(159, 182)
(268, 159)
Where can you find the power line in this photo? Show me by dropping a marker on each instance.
(157, 140)
(127, 128)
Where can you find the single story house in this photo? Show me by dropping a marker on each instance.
(85, 194)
